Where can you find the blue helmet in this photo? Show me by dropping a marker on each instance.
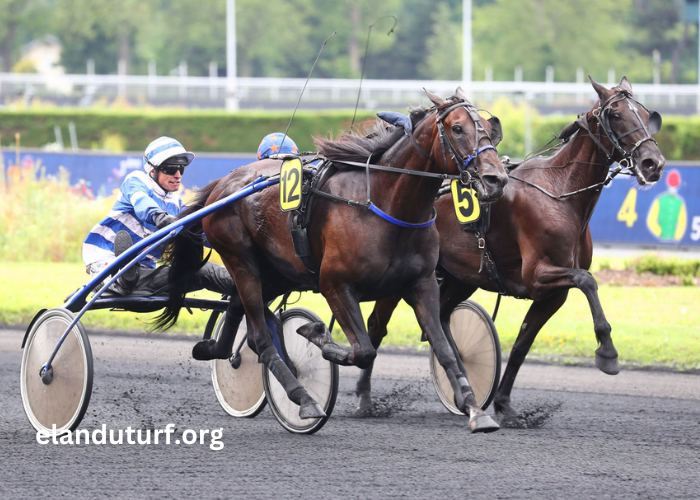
(270, 145)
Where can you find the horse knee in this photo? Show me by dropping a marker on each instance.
(364, 357)
(585, 280)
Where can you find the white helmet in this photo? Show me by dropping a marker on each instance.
(165, 148)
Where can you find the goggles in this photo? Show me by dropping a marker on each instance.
(172, 169)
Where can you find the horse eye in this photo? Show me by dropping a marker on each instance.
(457, 129)
(617, 116)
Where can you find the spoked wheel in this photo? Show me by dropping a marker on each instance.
(237, 381)
(318, 376)
(476, 340)
(61, 398)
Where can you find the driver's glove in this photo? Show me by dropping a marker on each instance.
(163, 219)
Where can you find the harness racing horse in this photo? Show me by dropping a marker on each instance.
(360, 256)
(539, 241)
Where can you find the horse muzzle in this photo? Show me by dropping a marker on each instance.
(490, 186)
(650, 167)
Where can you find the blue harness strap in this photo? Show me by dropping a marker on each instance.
(410, 225)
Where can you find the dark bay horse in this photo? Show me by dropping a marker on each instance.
(360, 255)
(541, 243)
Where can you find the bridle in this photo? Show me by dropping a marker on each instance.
(602, 115)
(466, 177)
(446, 143)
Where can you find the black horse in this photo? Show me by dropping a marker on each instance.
(359, 255)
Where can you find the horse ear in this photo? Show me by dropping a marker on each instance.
(603, 93)
(625, 85)
(435, 99)
(496, 130)
(654, 122)
(459, 93)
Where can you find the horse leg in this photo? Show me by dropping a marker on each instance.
(260, 340)
(376, 326)
(346, 309)
(208, 349)
(606, 354)
(550, 279)
(424, 298)
(539, 313)
(452, 293)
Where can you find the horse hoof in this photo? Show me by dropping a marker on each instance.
(364, 407)
(611, 366)
(202, 350)
(482, 423)
(311, 410)
(316, 333)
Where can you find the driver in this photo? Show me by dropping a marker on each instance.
(148, 201)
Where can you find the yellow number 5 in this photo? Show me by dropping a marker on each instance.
(627, 213)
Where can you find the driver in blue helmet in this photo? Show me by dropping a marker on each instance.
(276, 143)
(148, 201)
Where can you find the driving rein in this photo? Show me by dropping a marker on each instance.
(446, 146)
(602, 115)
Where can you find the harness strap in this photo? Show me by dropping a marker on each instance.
(418, 148)
(396, 170)
(374, 208)
(607, 181)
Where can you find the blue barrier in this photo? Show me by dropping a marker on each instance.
(667, 215)
(102, 173)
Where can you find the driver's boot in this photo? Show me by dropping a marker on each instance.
(127, 282)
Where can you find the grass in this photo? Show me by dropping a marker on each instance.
(650, 325)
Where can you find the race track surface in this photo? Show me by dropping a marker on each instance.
(636, 435)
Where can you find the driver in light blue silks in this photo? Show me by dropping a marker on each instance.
(270, 145)
(148, 201)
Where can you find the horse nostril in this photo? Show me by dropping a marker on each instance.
(495, 181)
(648, 164)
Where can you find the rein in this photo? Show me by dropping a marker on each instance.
(602, 115)
(445, 144)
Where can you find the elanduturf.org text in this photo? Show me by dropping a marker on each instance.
(134, 436)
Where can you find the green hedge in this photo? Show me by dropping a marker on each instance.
(202, 131)
(218, 131)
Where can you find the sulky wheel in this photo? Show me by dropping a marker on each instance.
(476, 340)
(62, 396)
(237, 380)
(318, 376)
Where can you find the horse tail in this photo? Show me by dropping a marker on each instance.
(185, 256)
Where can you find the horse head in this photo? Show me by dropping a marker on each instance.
(469, 141)
(630, 127)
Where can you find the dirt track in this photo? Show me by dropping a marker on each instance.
(636, 435)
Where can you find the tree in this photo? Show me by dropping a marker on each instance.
(535, 34)
(444, 46)
(659, 25)
(22, 21)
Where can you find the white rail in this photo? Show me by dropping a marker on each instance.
(211, 91)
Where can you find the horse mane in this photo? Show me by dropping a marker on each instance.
(376, 141)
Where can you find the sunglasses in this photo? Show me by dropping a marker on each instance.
(172, 169)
